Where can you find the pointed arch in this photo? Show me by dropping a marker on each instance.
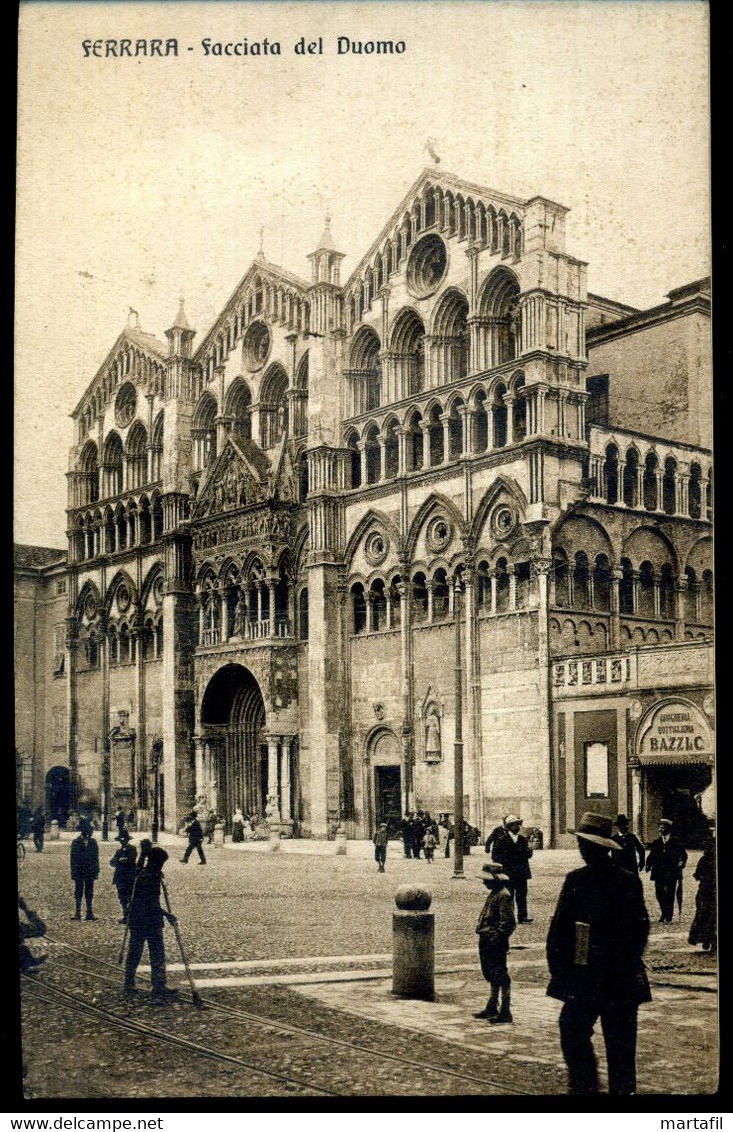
(435, 501)
(501, 485)
(371, 519)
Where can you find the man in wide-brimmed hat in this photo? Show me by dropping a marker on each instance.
(512, 851)
(123, 862)
(665, 862)
(594, 953)
(146, 926)
(84, 862)
(495, 924)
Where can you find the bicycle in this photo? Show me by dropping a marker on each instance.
(21, 850)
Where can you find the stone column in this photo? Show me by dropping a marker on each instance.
(468, 416)
(272, 779)
(542, 568)
(402, 439)
(271, 584)
(616, 576)
(636, 796)
(635, 590)
(680, 590)
(285, 755)
(509, 402)
(640, 486)
(620, 501)
(361, 445)
(659, 475)
(512, 572)
(445, 421)
(429, 588)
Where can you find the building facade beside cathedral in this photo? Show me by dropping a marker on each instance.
(279, 535)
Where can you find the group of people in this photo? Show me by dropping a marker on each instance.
(139, 883)
(596, 937)
(419, 833)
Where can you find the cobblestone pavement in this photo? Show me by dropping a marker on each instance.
(304, 937)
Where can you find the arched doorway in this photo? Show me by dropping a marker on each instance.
(233, 756)
(386, 768)
(57, 794)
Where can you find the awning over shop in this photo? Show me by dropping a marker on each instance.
(669, 758)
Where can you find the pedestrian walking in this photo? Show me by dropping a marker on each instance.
(237, 826)
(146, 926)
(704, 928)
(665, 861)
(123, 862)
(594, 953)
(38, 829)
(195, 839)
(633, 853)
(380, 845)
(512, 851)
(407, 830)
(429, 842)
(210, 826)
(119, 820)
(84, 862)
(495, 924)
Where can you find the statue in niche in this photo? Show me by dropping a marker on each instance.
(433, 745)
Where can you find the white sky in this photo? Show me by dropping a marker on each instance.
(142, 180)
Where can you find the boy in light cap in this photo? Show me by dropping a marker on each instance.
(495, 924)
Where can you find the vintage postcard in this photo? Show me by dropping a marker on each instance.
(364, 584)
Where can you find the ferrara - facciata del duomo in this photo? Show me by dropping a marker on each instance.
(280, 529)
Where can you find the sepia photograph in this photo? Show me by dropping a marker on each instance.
(363, 554)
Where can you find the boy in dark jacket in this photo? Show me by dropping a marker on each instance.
(123, 863)
(84, 868)
(495, 924)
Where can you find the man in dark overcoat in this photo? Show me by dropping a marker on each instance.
(195, 839)
(84, 863)
(594, 954)
(38, 828)
(512, 851)
(123, 863)
(407, 832)
(665, 861)
(633, 853)
(146, 925)
(119, 820)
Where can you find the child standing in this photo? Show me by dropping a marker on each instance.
(495, 924)
(429, 842)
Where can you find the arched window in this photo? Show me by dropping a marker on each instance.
(125, 656)
(110, 531)
(651, 464)
(483, 586)
(352, 443)
(502, 586)
(204, 431)
(419, 599)
(522, 576)
(358, 607)
(695, 491)
(112, 645)
(137, 456)
(156, 471)
(273, 406)
(666, 592)
(145, 523)
(451, 338)
(414, 443)
(92, 650)
(561, 568)
(500, 416)
(646, 590)
(610, 474)
(157, 516)
(89, 472)
(303, 614)
(159, 636)
(121, 524)
(602, 584)
(499, 302)
(519, 410)
(455, 429)
(626, 602)
(669, 486)
(581, 582)
(691, 596)
(395, 601)
(631, 477)
(378, 603)
(435, 436)
(408, 348)
(440, 595)
(391, 449)
(373, 455)
(148, 639)
(365, 366)
(239, 408)
(481, 423)
(113, 464)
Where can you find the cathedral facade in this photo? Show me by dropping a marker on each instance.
(288, 542)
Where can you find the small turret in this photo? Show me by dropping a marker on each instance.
(325, 259)
(180, 335)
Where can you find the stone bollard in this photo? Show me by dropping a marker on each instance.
(413, 944)
(340, 842)
(274, 843)
(218, 835)
(54, 833)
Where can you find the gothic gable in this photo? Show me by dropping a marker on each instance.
(285, 478)
(233, 482)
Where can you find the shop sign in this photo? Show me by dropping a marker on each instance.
(678, 727)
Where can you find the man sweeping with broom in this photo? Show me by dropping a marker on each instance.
(145, 919)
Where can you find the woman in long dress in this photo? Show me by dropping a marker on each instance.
(238, 825)
(704, 927)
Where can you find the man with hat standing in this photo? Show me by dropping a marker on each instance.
(146, 925)
(380, 845)
(594, 953)
(123, 863)
(665, 862)
(512, 851)
(84, 863)
(495, 924)
(633, 854)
